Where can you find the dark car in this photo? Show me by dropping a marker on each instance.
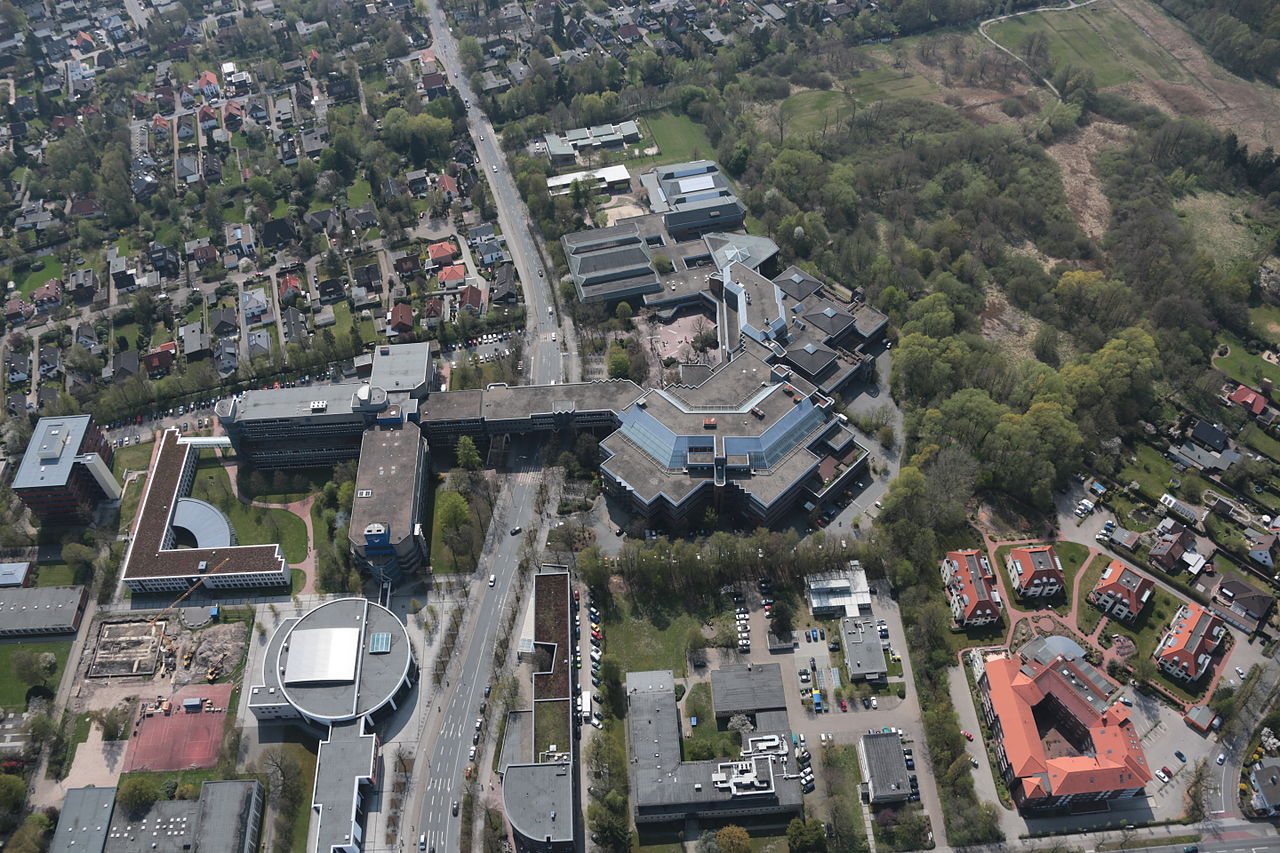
(455, 808)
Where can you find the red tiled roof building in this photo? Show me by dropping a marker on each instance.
(971, 588)
(1036, 572)
(1122, 593)
(1186, 650)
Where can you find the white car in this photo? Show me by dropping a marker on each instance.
(471, 754)
(1240, 672)
(1160, 775)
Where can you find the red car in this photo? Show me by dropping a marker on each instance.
(844, 706)
(967, 735)
(576, 596)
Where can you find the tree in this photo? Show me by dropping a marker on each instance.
(619, 363)
(733, 839)
(78, 557)
(783, 617)
(623, 312)
(740, 723)
(454, 512)
(13, 793)
(806, 836)
(27, 668)
(468, 456)
(138, 793)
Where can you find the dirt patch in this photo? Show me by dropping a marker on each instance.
(1010, 327)
(1220, 98)
(1075, 155)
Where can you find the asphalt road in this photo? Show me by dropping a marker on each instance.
(440, 781)
(543, 354)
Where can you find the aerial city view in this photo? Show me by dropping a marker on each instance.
(715, 426)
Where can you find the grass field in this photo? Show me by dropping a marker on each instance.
(131, 498)
(678, 138)
(551, 726)
(842, 774)
(1088, 616)
(303, 749)
(1219, 220)
(13, 691)
(639, 643)
(1266, 322)
(54, 574)
(1260, 441)
(705, 740)
(342, 320)
(1099, 37)
(1151, 472)
(1243, 366)
(253, 525)
(1146, 631)
(358, 193)
(136, 457)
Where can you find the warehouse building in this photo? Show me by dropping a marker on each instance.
(34, 610)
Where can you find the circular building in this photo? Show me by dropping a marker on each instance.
(346, 659)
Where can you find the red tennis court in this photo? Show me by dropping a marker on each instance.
(181, 740)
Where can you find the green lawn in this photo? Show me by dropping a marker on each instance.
(678, 138)
(641, 643)
(1254, 436)
(13, 692)
(1243, 366)
(706, 741)
(135, 457)
(886, 84)
(1150, 624)
(359, 192)
(49, 267)
(551, 726)
(282, 487)
(842, 775)
(304, 750)
(1100, 38)
(1151, 471)
(342, 320)
(54, 574)
(253, 525)
(131, 498)
(1266, 322)
(1087, 616)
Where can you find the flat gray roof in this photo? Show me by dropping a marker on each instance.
(13, 574)
(39, 608)
(886, 766)
(402, 368)
(344, 762)
(336, 696)
(229, 816)
(389, 480)
(272, 403)
(52, 452)
(747, 688)
(538, 800)
(84, 821)
(863, 650)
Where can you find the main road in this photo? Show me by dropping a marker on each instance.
(453, 708)
(542, 321)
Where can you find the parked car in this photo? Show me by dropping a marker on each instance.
(967, 735)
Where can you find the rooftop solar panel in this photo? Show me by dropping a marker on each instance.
(380, 644)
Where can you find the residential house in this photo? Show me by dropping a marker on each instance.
(1264, 780)
(259, 343)
(1174, 548)
(1241, 604)
(327, 221)
(504, 290)
(207, 85)
(124, 365)
(164, 260)
(207, 117)
(85, 208)
(159, 361)
(1264, 548)
(490, 252)
(211, 171)
(233, 116)
(241, 240)
(16, 404)
(87, 336)
(471, 298)
(452, 276)
(369, 276)
(400, 319)
(442, 253)
(432, 311)
(1186, 650)
(295, 326)
(1036, 571)
(1122, 593)
(407, 265)
(448, 187)
(418, 183)
(50, 358)
(17, 365)
(363, 217)
(971, 588)
(434, 85)
(47, 296)
(226, 358)
(195, 342)
(17, 311)
(255, 306)
(290, 288)
(223, 322)
(188, 170)
(288, 147)
(331, 290)
(1250, 400)
(1209, 435)
(186, 127)
(1182, 509)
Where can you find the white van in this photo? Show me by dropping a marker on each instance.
(493, 579)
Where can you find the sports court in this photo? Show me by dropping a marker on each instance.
(181, 739)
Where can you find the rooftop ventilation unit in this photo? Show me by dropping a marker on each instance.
(319, 405)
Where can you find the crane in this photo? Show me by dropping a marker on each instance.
(183, 597)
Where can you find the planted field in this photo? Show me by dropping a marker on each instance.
(1099, 37)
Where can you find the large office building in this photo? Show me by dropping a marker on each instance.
(693, 198)
(385, 532)
(225, 818)
(66, 470)
(315, 425)
(667, 789)
(179, 541)
(339, 669)
(1061, 743)
(538, 787)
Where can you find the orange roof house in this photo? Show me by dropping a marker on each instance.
(1186, 650)
(442, 252)
(971, 589)
(1036, 571)
(1121, 593)
(1249, 399)
(1060, 742)
(455, 273)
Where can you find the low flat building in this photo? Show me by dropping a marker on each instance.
(179, 541)
(864, 658)
(1121, 592)
(14, 574)
(65, 470)
(225, 818)
(385, 531)
(1188, 646)
(607, 179)
(34, 610)
(834, 595)
(666, 789)
(1036, 571)
(1061, 744)
(747, 689)
(971, 588)
(884, 767)
(692, 198)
